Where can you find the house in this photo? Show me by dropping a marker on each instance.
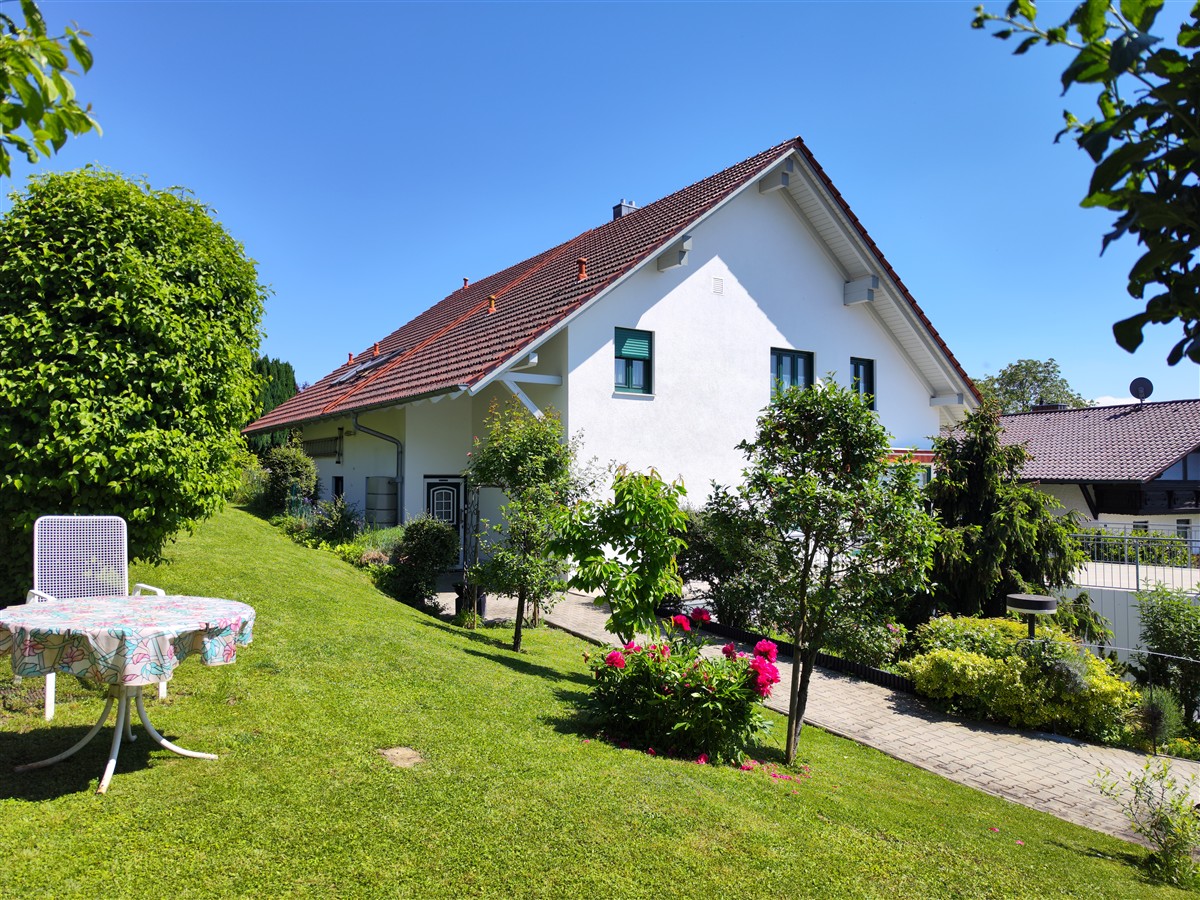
(658, 335)
(1134, 467)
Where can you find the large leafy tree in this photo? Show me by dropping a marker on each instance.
(128, 330)
(529, 458)
(278, 383)
(845, 528)
(1145, 141)
(38, 109)
(1029, 382)
(1000, 534)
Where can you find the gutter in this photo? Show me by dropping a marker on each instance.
(399, 463)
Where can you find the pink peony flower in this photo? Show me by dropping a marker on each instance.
(767, 649)
(700, 615)
(765, 675)
(616, 659)
(664, 650)
(702, 759)
(729, 650)
(631, 647)
(682, 623)
(650, 751)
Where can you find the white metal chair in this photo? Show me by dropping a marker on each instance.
(76, 557)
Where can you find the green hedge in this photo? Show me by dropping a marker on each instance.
(985, 669)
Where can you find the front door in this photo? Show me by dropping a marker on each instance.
(444, 501)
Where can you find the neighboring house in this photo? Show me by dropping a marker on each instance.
(659, 335)
(1123, 467)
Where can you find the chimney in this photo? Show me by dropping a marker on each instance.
(491, 304)
(582, 263)
(1048, 407)
(466, 283)
(624, 208)
(375, 349)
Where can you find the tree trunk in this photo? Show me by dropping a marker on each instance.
(520, 620)
(795, 711)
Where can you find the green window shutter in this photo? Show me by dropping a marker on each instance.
(632, 344)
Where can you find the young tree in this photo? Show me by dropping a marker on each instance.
(1144, 142)
(278, 383)
(34, 94)
(1027, 383)
(1000, 536)
(128, 329)
(846, 527)
(625, 548)
(529, 459)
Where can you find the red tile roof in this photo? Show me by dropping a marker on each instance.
(458, 342)
(1105, 443)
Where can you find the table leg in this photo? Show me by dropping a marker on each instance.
(82, 743)
(123, 728)
(159, 739)
(118, 731)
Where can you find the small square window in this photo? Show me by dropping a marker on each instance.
(790, 368)
(862, 378)
(633, 358)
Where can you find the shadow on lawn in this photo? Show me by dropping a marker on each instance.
(526, 667)
(78, 774)
(1132, 859)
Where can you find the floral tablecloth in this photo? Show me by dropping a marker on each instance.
(123, 640)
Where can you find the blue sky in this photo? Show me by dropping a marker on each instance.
(372, 155)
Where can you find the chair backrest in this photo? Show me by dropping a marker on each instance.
(80, 556)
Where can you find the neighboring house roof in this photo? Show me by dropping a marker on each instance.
(1105, 443)
(466, 338)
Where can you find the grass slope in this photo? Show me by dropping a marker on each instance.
(512, 799)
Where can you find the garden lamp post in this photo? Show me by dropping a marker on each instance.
(1032, 606)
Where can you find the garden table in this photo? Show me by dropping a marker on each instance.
(126, 643)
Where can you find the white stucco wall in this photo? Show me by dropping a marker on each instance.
(363, 455)
(712, 351)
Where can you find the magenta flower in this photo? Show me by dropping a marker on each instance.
(729, 650)
(631, 647)
(765, 675)
(650, 751)
(702, 759)
(682, 623)
(993, 828)
(1020, 843)
(616, 659)
(700, 615)
(766, 649)
(664, 650)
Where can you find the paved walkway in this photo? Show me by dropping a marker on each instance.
(1044, 772)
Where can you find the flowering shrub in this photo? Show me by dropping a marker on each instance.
(668, 696)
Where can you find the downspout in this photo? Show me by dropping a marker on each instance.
(399, 463)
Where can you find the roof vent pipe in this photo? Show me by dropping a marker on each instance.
(624, 208)
(399, 462)
(465, 283)
(582, 261)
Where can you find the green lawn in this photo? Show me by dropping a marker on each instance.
(512, 800)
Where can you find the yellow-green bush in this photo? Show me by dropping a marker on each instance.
(1047, 684)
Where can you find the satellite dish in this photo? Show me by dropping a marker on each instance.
(1141, 388)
